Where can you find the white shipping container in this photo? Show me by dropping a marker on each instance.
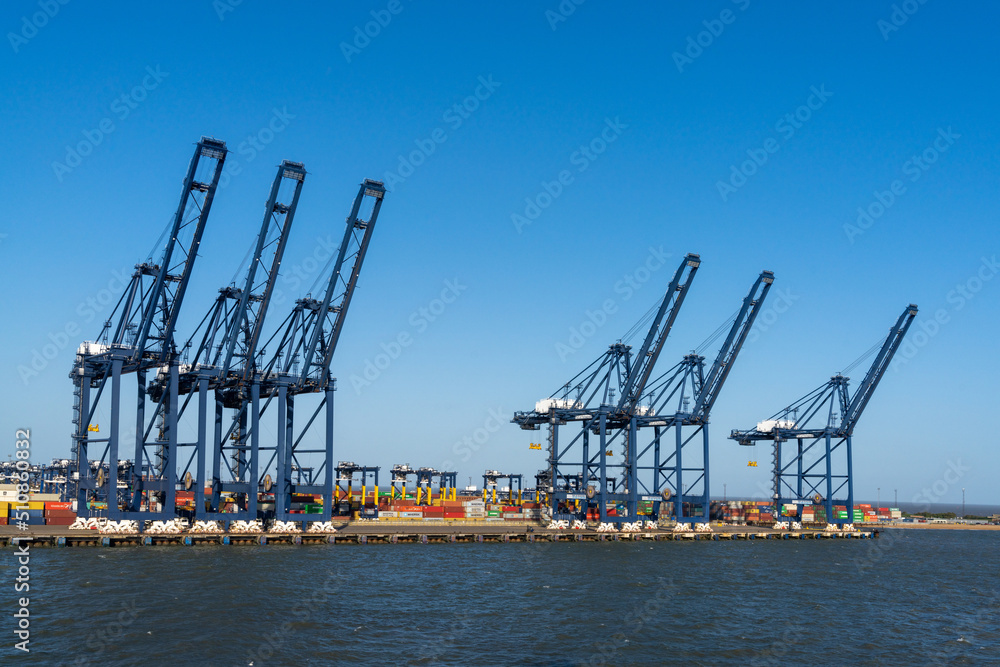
(769, 425)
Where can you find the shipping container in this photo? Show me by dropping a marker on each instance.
(59, 521)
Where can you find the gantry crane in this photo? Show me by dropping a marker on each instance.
(225, 360)
(300, 365)
(605, 398)
(492, 492)
(138, 337)
(680, 403)
(815, 432)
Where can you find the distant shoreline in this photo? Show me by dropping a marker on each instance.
(945, 526)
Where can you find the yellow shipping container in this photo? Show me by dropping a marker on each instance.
(36, 505)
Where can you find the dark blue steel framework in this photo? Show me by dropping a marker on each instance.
(137, 338)
(301, 365)
(226, 361)
(812, 437)
(225, 356)
(611, 401)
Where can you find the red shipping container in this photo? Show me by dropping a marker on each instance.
(60, 521)
(3, 521)
(60, 514)
(49, 505)
(454, 515)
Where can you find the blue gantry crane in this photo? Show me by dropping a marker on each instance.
(812, 437)
(605, 399)
(617, 399)
(139, 337)
(679, 404)
(225, 360)
(300, 365)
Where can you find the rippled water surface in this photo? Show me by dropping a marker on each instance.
(912, 597)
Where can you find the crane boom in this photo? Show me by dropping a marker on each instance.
(191, 214)
(734, 343)
(645, 360)
(272, 237)
(867, 387)
(328, 318)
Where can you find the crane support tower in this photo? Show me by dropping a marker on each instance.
(222, 379)
(617, 399)
(812, 437)
(136, 338)
(301, 365)
(215, 380)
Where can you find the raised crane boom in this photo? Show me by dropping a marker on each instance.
(159, 305)
(314, 325)
(337, 299)
(229, 333)
(867, 387)
(272, 238)
(645, 360)
(731, 347)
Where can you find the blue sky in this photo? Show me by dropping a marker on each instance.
(644, 113)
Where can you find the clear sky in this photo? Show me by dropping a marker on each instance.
(537, 159)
